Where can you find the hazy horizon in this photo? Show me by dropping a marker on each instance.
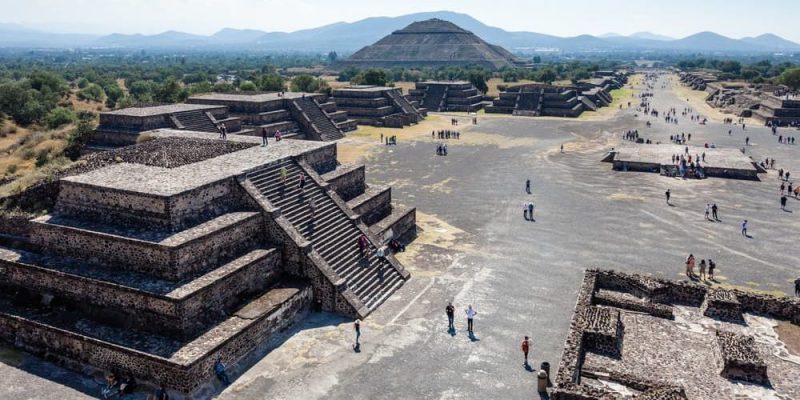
(735, 18)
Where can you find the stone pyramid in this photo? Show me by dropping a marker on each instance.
(433, 43)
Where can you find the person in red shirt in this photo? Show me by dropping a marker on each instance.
(526, 345)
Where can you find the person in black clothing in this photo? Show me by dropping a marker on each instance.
(714, 212)
(264, 137)
(667, 193)
(797, 287)
(161, 393)
(451, 313)
(711, 267)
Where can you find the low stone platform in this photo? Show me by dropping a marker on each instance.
(721, 163)
(690, 356)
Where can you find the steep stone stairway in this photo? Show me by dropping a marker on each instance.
(196, 121)
(403, 104)
(327, 129)
(433, 97)
(334, 234)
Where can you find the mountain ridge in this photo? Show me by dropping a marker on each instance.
(351, 36)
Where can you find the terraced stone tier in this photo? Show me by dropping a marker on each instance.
(373, 205)
(62, 335)
(177, 309)
(401, 221)
(163, 254)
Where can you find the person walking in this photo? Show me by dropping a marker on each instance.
(711, 267)
(451, 313)
(667, 194)
(357, 328)
(301, 178)
(708, 211)
(471, 313)
(528, 186)
(703, 269)
(283, 173)
(689, 265)
(530, 211)
(526, 346)
(744, 228)
(263, 137)
(797, 287)
(222, 375)
(783, 203)
(525, 210)
(714, 212)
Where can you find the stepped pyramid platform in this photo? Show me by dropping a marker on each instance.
(309, 116)
(123, 127)
(377, 105)
(158, 272)
(543, 100)
(433, 43)
(780, 111)
(446, 96)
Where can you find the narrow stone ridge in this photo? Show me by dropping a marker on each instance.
(334, 234)
(327, 129)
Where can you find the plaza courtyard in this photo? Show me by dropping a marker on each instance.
(474, 247)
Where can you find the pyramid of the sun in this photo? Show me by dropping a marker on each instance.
(433, 43)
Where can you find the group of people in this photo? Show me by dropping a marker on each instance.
(785, 139)
(223, 131)
(441, 149)
(116, 387)
(682, 139)
(631, 135)
(445, 134)
(690, 266)
(528, 206)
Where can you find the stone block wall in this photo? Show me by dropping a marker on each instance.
(169, 262)
(348, 181)
(722, 304)
(741, 359)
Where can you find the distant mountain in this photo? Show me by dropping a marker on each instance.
(771, 41)
(346, 37)
(229, 35)
(710, 41)
(649, 36)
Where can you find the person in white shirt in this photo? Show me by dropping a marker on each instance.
(471, 313)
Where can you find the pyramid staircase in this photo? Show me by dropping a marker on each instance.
(323, 125)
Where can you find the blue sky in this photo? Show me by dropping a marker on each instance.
(677, 18)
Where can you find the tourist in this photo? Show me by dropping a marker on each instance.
(219, 370)
(396, 246)
(263, 137)
(711, 267)
(283, 173)
(783, 187)
(357, 328)
(667, 194)
(525, 210)
(301, 177)
(690, 265)
(714, 212)
(528, 186)
(224, 131)
(708, 211)
(703, 269)
(526, 346)
(562, 148)
(451, 313)
(744, 228)
(797, 287)
(160, 393)
(530, 211)
(747, 141)
(111, 388)
(471, 313)
(312, 206)
(363, 244)
(783, 203)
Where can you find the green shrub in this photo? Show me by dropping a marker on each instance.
(59, 116)
(11, 169)
(27, 154)
(41, 158)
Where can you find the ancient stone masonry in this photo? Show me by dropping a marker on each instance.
(311, 116)
(433, 43)
(150, 269)
(558, 101)
(377, 105)
(740, 357)
(446, 96)
(698, 80)
(665, 325)
(123, 127)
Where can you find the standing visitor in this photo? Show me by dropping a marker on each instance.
(744, 228)
(667, 193)
(711, 267)
(526, 346)
(703, 269)
(471, 313)
(714, 212)
(451, 313)
(357, 328)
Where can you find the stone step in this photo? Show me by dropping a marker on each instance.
(166, 255)
(175, 308)
(373, 205)
(64, 335)
(401, 220)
